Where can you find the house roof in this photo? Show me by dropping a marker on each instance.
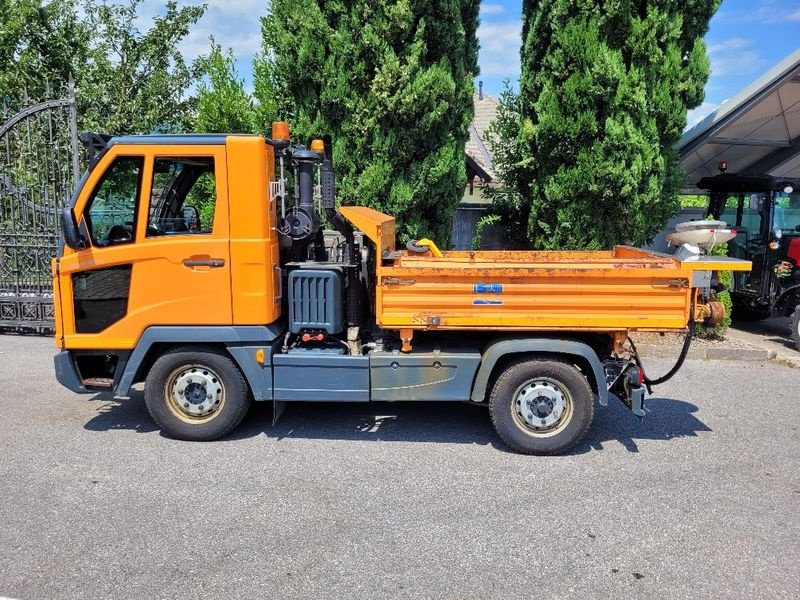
(757, 132)
(477, 146)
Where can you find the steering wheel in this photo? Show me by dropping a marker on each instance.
(119, 233)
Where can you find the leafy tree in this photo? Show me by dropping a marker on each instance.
(586, 146)
(223, 103)
(137, 82)
(694, 201)
(223, 106)
(41, 43)
(392, 83)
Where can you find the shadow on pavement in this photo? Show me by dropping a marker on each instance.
(438, 422)
(128, 414)
(666, 419)
(777, 330)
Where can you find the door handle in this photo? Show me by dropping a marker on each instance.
(213, 263)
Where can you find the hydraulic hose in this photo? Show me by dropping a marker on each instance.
(687, 341)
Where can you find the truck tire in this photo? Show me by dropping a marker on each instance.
(796, 327)
(196, 394)
(541, 406)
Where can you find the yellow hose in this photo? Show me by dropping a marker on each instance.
(431, 246)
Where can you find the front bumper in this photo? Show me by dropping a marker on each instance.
(67, 374)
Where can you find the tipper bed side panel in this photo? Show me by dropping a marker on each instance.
(576, 291)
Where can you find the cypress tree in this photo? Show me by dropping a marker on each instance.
(586, 145)
(392, 82)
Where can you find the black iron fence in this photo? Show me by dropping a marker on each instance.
(39, 165)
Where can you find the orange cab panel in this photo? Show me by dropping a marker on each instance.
(156, 221)
(255, 256)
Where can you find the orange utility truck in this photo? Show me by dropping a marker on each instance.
(189, 264)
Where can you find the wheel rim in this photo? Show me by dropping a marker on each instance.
(542, 407)
(194, 393)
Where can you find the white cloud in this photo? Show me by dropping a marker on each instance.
(775, 11)
(764, 12)
(734, 55)
(734, 43)
(694, 116)
(233, 23)
(499, 53)
(492, 9)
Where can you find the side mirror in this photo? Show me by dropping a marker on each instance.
(756, 202)
(191, 217)
(69, 229)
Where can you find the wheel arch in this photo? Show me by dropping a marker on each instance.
(236, 341)
(499, 354)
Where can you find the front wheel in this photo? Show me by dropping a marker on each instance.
(796, 327)
(196, 394)
(541, 406)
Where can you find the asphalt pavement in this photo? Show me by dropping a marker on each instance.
(699, 500)
(770, 335)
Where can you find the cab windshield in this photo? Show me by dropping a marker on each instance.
(787, 213)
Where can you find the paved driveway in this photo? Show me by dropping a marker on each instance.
(701, 499)
(776, 330)
(773, 335)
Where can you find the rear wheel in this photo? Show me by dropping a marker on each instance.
(796, 327)
(196, 394)
(541, 406)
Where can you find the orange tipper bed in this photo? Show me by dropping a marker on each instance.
(624, 289)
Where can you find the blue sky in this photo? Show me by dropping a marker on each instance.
(746, 37)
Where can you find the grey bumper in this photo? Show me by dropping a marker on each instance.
(66, 374)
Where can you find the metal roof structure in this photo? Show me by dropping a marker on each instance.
(757, 132)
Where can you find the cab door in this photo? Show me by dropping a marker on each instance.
(155, 219)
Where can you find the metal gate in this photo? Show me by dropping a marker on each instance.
(39, 166)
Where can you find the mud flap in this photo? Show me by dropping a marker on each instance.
(636, 401)
(278, 406)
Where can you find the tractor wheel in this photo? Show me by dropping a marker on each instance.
(196, 394)
(796, 327)
(541, 406)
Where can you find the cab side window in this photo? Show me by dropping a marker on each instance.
(110, 215)
(184, 196)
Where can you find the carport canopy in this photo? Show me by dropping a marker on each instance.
(757, 132)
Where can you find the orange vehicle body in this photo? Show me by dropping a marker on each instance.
(245, 300)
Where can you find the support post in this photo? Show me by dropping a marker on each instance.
(73, 131)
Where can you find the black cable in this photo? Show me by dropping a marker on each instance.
(676, 367)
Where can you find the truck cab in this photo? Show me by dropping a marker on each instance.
(199, 266)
